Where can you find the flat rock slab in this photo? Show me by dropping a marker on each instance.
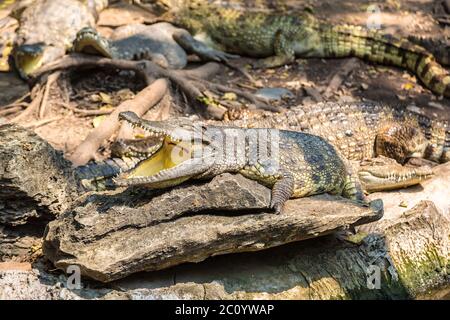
(112, 235)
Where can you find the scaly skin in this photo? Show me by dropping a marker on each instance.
(157, 42)
(365, 134)
(48, 28)
(281, 38)
(438, 47)
(295, 165)
(8, 26)
(135, 42)
(362, 130)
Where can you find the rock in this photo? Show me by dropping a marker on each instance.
(35, 181)
(39, 285)
(116, 234)
(321, 268)
(275, 94)
(20, 243)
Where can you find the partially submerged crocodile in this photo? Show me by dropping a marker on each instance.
(281, 38)
(48, 28)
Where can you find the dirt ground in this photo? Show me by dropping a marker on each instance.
(307, 79)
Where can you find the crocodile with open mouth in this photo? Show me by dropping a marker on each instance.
(293, 164)
(48, 28)
(380, 141)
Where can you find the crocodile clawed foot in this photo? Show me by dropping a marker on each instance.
(218, 56)
(277, 208)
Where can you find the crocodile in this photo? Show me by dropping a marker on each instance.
(440, 48)
(362, 130)
(135, 42)
(8, 26)
(293, 164)
(379, 141)
(48, 28)
(156, 42)
(125, 155)
(281, 38)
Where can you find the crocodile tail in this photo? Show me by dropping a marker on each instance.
(375, 46)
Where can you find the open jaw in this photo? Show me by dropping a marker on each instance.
(28, 58)
(382, 178)
(173, 161)
(89, 41)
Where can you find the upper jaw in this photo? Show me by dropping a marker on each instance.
(181, 130)
(88, 38)
(384, 178)
(28, 58)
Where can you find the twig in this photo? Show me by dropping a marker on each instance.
(18, 102)
(50, 80)
(10, 110)
(87, 113)
(32, 107)
(143, 101)
(40, 123)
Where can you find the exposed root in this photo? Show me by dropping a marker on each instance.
(37, 94)
(140, 104)
(52, 78)
(191, 82)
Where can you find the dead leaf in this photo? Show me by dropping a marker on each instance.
(98, 120)
(105, 98)
(230, 96)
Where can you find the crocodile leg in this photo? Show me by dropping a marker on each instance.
(188, 43)
(282, 191)
(284, 52)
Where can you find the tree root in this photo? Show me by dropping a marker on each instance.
(143, 101)
(52, 78)
(37, 95)
(191, 82)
